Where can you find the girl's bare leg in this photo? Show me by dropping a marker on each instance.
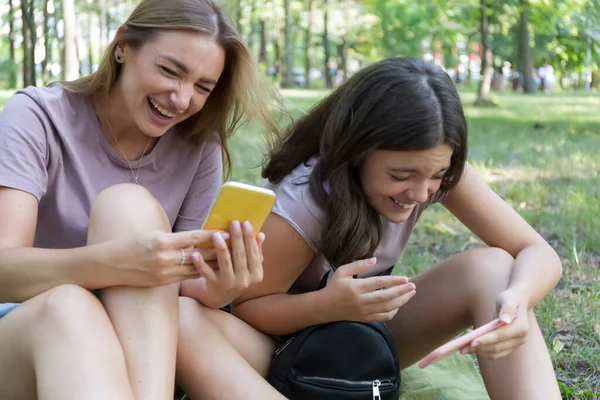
(460, 293)
(220, 356)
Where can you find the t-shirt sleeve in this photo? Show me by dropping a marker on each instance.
(23, 145)
(295, 204)
(204, 188)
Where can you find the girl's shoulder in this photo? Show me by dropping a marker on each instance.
(295, 204)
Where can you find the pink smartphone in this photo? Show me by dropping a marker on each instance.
(458, 343)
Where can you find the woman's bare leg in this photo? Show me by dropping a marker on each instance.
(145, 319)
(61, 345)
(220, 356)
(460, 293)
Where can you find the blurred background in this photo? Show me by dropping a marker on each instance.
(528, 74)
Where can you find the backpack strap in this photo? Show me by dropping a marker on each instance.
(325, 277)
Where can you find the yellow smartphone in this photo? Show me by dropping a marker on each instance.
(241, 202)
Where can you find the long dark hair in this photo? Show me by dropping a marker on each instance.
(396, 104)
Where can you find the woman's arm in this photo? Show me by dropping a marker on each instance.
(26, 272)
(537, 267)
(144, 260)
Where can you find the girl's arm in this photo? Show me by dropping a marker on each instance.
(537, 267)
(269, 308)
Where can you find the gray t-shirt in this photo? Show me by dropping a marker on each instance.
(51, 146)
(296, 205)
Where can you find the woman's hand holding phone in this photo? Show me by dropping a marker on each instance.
(225, 272)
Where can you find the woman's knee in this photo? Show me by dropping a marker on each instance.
(123, 208)
(70, 309)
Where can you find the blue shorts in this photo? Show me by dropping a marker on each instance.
(5, 308)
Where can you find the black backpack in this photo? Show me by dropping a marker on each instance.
(337, 361)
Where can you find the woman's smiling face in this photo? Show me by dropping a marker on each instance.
(168, 79)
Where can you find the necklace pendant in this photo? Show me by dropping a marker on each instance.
(136, 181)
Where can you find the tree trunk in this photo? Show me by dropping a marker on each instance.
(326, 48)
(71, 60)
(288, 80)
(252, 24)
(101, 27)
(262, 52)
(47, 46)
(90, 49)
(28, 43)
(238, 15)
(526, 61)
(12, 78)
(343, 47)
(486, 57)
(308, 45)
(277, 51)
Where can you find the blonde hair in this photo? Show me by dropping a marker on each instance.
(241, 93)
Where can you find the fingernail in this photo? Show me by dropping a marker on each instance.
(235, 225)
(247, 227)
(262, 236)
(505, 318)
(411, 286)
(218, 239)
(196, 256)
(372, 261)
(225, 235)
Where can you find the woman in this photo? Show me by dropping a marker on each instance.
(352, 177)
(95, 175)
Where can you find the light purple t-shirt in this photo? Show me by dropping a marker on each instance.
(296, 205)
(51, 146)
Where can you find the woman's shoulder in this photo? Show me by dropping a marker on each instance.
(53, 102)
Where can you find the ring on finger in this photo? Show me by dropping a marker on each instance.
(182, 256)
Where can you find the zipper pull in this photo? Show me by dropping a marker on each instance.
(376, 384)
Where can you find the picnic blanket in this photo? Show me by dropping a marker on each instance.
(454, 378)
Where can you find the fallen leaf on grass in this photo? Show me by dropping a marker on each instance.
(557, 345)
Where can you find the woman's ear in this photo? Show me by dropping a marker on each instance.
(121, 46)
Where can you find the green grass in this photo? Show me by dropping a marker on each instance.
(542, 155)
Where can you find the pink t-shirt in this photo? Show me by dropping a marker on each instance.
(296, 205)
(51, 146)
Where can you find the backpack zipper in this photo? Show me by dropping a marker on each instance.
(376, 394)
(374, 385)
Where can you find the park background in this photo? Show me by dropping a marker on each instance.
(538, 149)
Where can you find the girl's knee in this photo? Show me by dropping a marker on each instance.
(191, 315)
(486, 271)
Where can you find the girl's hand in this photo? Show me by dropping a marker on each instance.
(504, 340)
(237, 268)
(376, 298)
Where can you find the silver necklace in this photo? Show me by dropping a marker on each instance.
(137, 174)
